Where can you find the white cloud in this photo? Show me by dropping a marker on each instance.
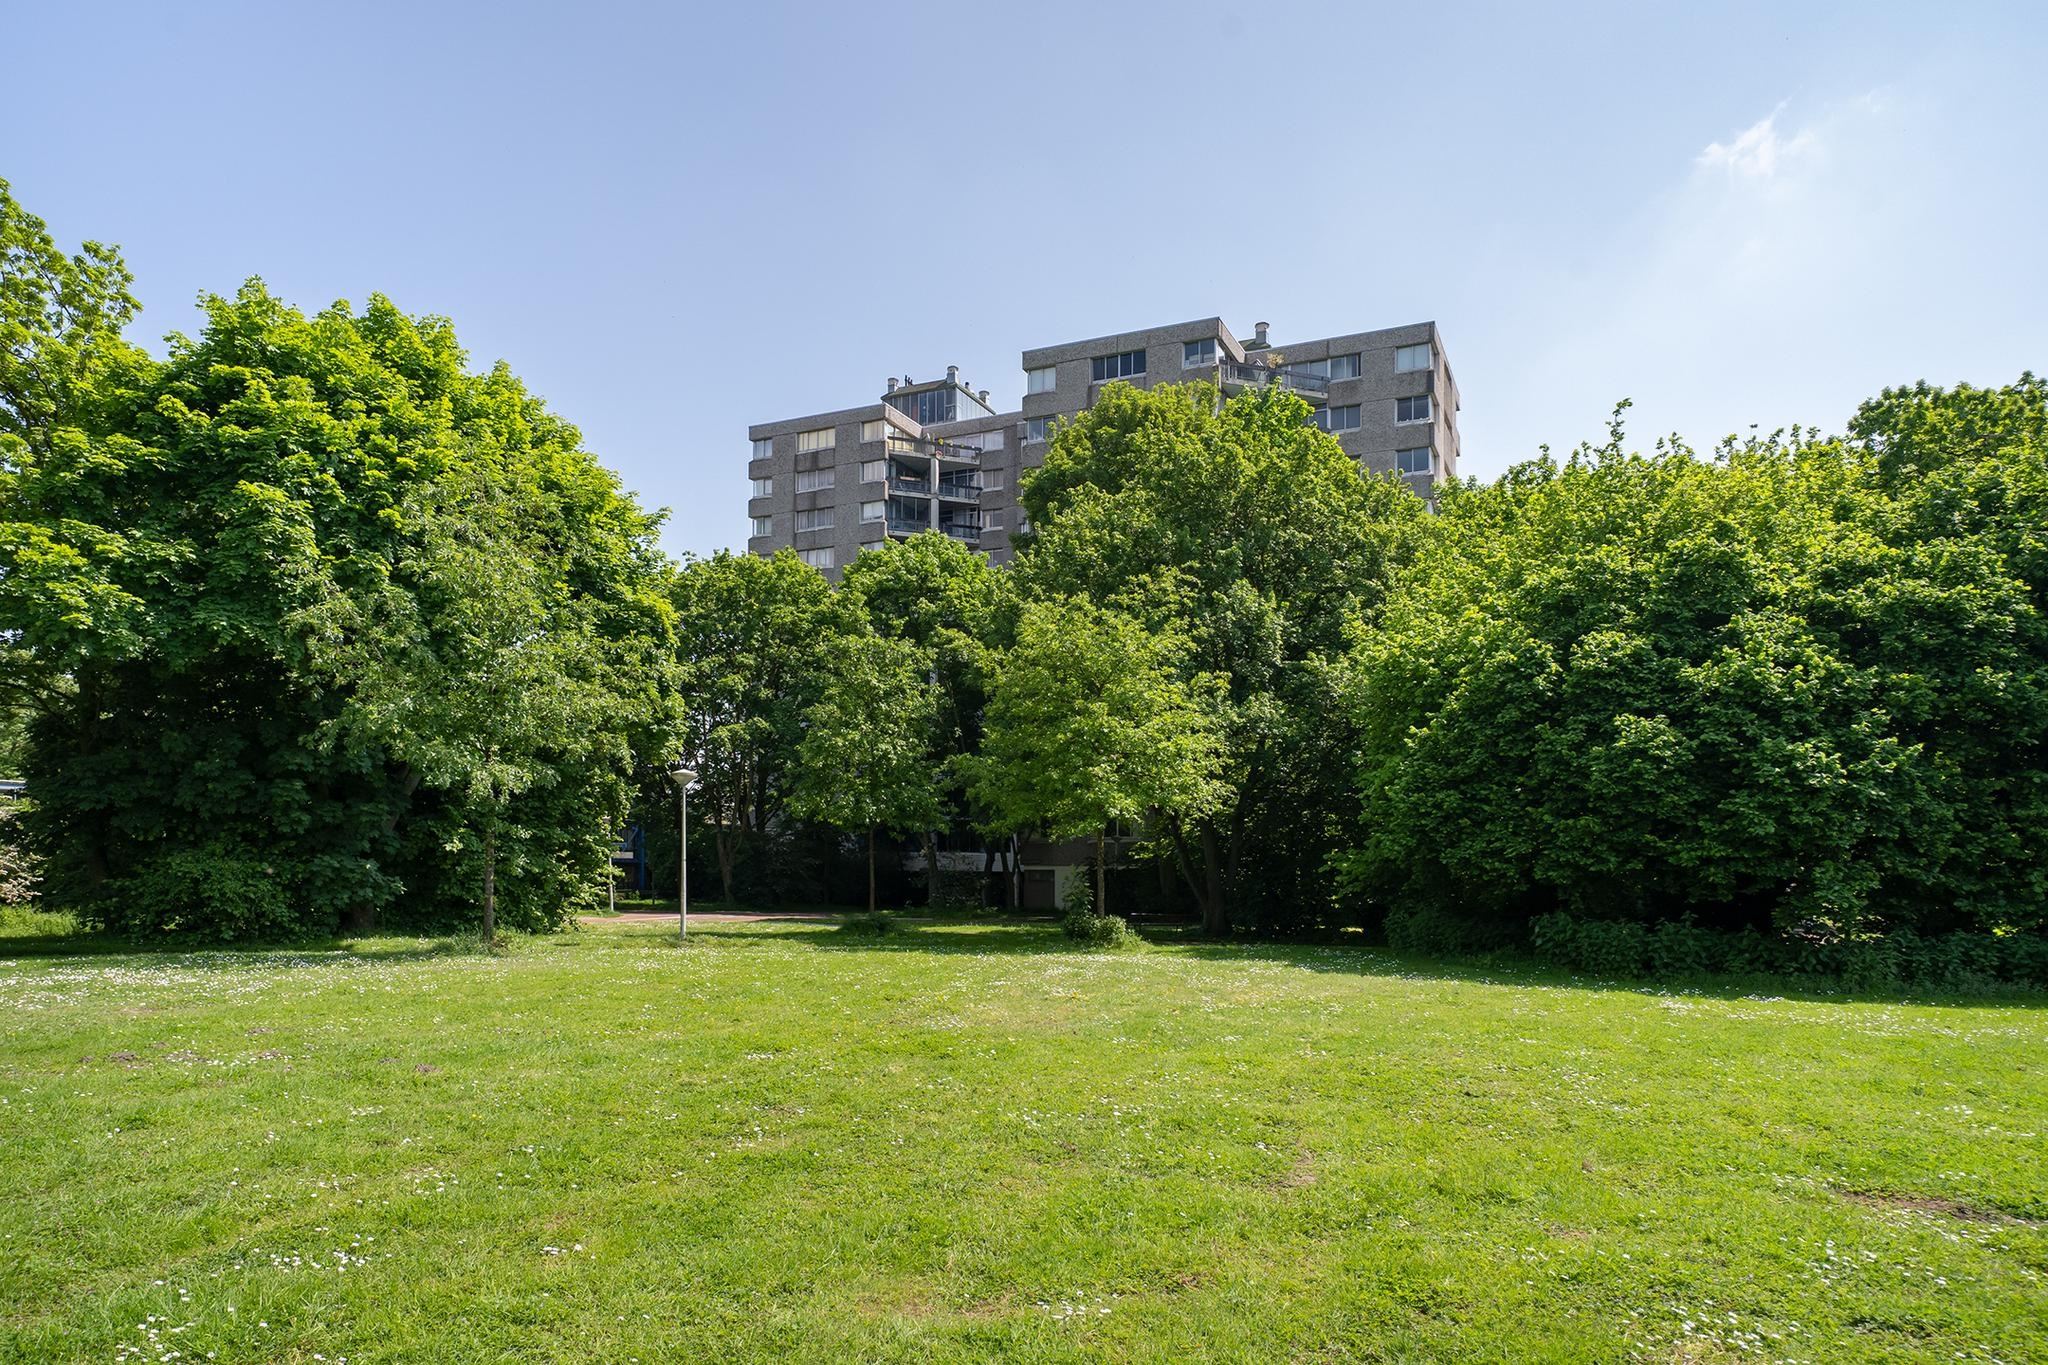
(1759, 150)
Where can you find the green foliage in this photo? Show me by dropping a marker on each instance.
(1801, 685)
(862, 764)
(1432, 932)
(960, 891)
(1091, 930)
(869, 924)
(1092, 720)
(217, 892)
(191, 550)
(1249, 538)
(1680, 950)
(20, 869)
(754, 644)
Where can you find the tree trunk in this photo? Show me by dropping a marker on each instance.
(988, 868)
(871, 871)
(1013, 876)
(1101, 899)
(931, 869)
(1215, 918)
(490, 888)
(722, 841)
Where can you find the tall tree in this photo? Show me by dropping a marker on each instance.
(164, 531)
(952, 604)
(480, 669)
(1094, 719)
(1246, 531)
(1802, 684)
(755, 640)
(864, 764)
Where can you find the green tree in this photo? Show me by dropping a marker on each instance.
(1244, 530)
(165, 532)
(483, 671)
(1093, 719)
(864, 763)
(951, 604)
(755, 643)
(1800, 684)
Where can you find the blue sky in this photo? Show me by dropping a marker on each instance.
(673, 222)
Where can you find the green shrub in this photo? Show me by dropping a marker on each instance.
(1679, 949)
(959, 892)
(1099, 931)
(214, 892)
(869, 924)
(1432, 932)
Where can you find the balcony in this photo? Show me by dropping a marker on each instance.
(961, 530)
(908, 526)
(1310, 386)
(960, 488)
(900, 483)
(911, 448)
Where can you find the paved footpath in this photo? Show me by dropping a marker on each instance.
(710, 916)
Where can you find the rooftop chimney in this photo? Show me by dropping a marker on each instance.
(952, 374)
(983, 396)
(1259, 333)
(892, 383)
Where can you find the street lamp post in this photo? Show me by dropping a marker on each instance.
(685, 779)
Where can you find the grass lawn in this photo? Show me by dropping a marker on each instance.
(965, 1142)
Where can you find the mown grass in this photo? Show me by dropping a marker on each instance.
(963, 1142)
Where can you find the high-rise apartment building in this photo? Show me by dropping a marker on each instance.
(934, 455)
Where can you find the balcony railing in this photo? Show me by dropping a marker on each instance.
(908, 526)
(911, 448)
(899, 483)
(960, 489)
(1287, 376)
(961, 531)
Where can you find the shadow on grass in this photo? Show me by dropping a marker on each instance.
(942, 936)
(32, 935)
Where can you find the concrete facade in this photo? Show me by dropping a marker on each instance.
(839, 481)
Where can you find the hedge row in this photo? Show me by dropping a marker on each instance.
(1680, 948)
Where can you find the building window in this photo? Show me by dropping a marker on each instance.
(928, 405)
(814, 519)
(873, 471)
(763, 449)
(1345, 366)
(1338, 419)
(811, 480)
(764, 488)
(873, 511)
(991, 440)
(1039, 381)
(763, 526)
(1038, 428)
(817, 559)
(807, 441)
(1415, 461)
(1414, 409)
(1195, 353)
(992, 519)
(1408, 358)
(991, 480)
(874, 431)
(1122, 365)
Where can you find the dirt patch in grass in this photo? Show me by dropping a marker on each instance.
(1951, 1208)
